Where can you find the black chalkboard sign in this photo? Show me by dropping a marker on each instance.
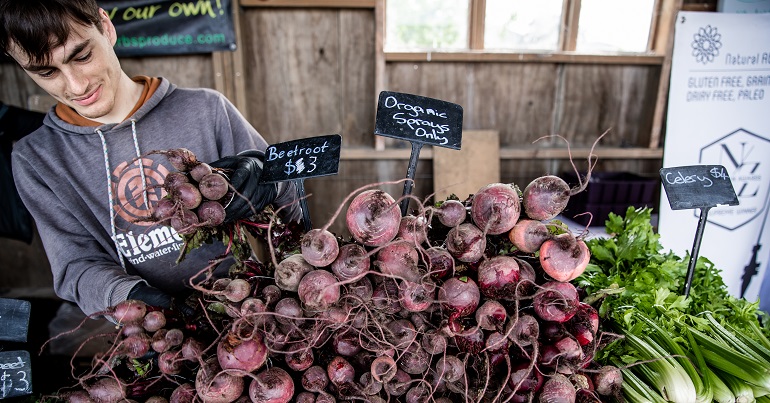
(698, 186)
(14, 317)
(419, 119)
(303, 158)
(15, 374)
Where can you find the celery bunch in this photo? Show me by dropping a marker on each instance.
(707, 347)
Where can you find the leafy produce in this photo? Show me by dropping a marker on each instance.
(436, 306)
(706, 347)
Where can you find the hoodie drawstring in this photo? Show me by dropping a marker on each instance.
(109, 185)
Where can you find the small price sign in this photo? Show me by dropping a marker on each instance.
(419, 120)
(15, 374)
(697, 187)
(303, 158)
(299, 159)
(14, 316)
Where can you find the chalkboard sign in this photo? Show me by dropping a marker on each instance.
(304, 158)
(419, 119)
(14, 317)
(698, 186)
(15, 374)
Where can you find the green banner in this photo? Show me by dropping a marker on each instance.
(158, 27)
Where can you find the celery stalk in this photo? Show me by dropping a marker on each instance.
(722, 394)
(742, 390)
(662, 371)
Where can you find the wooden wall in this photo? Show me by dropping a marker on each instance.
(302, 72)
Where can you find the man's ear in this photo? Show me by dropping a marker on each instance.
(108, 27)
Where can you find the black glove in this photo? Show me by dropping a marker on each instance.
(150, 296)
(157, 298)
(244, 171)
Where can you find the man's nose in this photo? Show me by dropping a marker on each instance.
(77, 83)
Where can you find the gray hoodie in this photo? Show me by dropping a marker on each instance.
(85, 188)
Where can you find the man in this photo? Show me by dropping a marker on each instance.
(87, 176)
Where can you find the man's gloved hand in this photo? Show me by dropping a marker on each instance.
(150, 296)
(157, 298)
(244, 171)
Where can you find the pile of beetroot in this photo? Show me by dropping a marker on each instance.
(458, 301)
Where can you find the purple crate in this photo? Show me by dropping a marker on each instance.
(609, 192)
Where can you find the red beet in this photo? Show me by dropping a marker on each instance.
(373, 218)
(495, 208)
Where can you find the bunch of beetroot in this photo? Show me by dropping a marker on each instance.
(464, 300)
(196, 194)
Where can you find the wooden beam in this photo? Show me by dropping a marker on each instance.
(476, 17)
(510, 153)
(379, 61)
(669, 10)
(570, 24)
(310, 3)
(553, 57)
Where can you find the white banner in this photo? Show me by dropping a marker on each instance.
(719, 114)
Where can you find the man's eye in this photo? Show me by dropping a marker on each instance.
(45, 73)
(84, 57)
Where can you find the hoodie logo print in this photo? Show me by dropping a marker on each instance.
(128, 188)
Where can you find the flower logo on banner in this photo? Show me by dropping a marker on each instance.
(706, 43)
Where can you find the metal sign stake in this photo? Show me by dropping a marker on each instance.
(303, 204)
(410, 173)
(695, 248)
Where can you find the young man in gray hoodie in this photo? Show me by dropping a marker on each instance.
(86, 175)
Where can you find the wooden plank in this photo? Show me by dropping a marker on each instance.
(476, 18)
(508, 57)
(598, 98)
(310, 3)
(529, 153)
(239, 68)
(379, 62)
(671, 9)
(465, 171)
(571, 26)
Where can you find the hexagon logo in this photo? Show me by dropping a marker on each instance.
(745, 155)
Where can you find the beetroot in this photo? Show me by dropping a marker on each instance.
(273, 385)
(564, 257)
(466, 243)
(107, 390)
(318, 290)
(213, 186)
(439, 262)
(491, 315)
(451, 213)
(217, 386)
(556, 301)
(498, 277)
(413, 229)
(290, 271)
(545, 197)
(459, 295)
(319, 247)
(528, 235)
(247, 355)
(398, 259)
(352, 261)
(495, 208)
(373, 218)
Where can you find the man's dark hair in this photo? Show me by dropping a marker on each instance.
(37, 27)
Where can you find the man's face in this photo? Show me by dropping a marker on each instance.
(83, 73)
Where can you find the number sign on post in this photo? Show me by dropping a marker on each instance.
(701, 187)
(296, 160)
(419, 120)
(15, 374)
